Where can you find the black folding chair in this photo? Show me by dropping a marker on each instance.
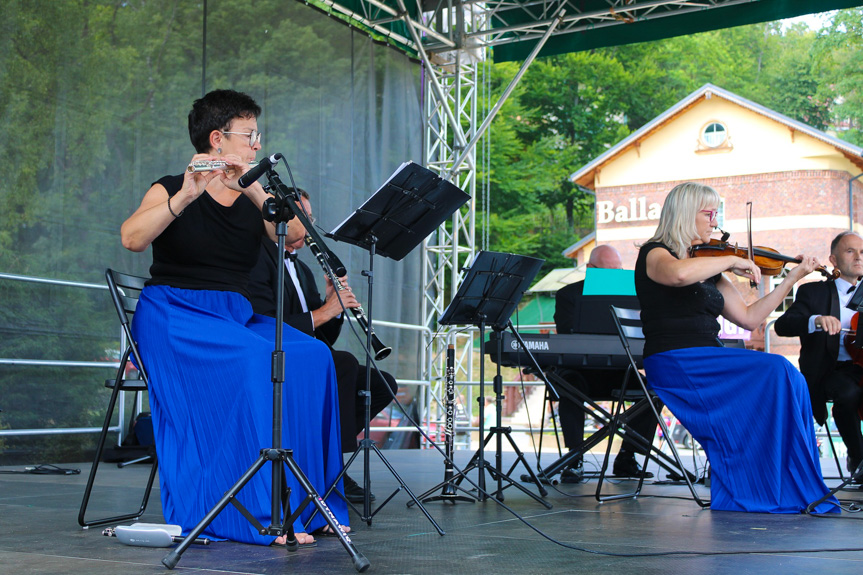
(124, 290)
(833, 448)
(628, 324)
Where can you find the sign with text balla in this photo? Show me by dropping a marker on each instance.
(637, 210)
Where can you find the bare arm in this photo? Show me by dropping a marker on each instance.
(665, 269)
(153, 216)
(752, 315)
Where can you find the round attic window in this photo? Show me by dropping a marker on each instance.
(714, 135)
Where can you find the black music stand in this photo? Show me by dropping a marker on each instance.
(409, 206)
(488, 296)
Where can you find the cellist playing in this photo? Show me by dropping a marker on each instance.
(817, 316)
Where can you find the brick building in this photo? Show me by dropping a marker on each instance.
(800, 180)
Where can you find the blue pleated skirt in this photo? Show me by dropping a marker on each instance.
(211, 395)
(750, 411)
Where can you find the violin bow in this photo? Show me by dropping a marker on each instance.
(750, 251)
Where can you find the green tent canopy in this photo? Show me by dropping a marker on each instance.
(512, 28)
(672, 19)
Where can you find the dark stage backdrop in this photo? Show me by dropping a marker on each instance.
(94, 96)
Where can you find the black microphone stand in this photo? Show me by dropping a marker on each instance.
(278, 210)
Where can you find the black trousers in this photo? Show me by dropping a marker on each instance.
(351, 378)
(598, 384)
(842, 387)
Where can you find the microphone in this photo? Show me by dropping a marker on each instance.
(264, 166)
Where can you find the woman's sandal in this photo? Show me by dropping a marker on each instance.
(301, 538)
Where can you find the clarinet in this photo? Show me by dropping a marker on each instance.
(449, 425)
(381, 351)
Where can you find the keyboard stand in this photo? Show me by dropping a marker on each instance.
(603, 418)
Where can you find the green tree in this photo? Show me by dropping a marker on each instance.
(839, 56)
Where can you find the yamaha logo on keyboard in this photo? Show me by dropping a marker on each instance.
(541, 345)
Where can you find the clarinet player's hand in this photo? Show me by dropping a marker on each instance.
(346, 294)
(332, 307)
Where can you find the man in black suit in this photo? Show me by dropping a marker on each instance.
(595, 383)
(304, 310)
(817, 316)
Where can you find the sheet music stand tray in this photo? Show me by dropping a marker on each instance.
(488, 296)
(409, 206)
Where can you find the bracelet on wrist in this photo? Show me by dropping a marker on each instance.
(172, 211)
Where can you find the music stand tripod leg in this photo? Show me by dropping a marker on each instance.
(478, 460)
(499, 431)
(367, 444)
(854, 475)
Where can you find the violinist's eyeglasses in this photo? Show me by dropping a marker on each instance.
(711, 213)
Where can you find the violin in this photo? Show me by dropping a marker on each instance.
(855, 350)
(770, 261)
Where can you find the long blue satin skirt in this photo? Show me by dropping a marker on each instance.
(211, 396)
(750, 411)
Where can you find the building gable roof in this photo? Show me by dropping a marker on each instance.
(585, 175)
(570, 251)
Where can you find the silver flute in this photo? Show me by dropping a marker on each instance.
(381, 351)
(210, 165)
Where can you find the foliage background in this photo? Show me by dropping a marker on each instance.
(94, 96)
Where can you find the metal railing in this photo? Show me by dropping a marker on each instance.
(63, 363)
(426, 419)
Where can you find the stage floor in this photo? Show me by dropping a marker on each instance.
(40, 534)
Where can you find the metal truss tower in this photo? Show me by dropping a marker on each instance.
(453, 101)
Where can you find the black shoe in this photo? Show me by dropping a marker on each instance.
(628, 467)
(854, 466)
(574, 474)
(674, 476)
(353, 492)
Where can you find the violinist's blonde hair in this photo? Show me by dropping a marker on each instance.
(676, 227)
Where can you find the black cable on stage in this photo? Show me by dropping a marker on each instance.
(43, 469)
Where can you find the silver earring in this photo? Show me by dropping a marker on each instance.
(219, 151)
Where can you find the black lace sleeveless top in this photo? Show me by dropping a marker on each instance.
(210, 246)
(676, 317)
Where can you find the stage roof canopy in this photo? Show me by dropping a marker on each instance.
(512, 28)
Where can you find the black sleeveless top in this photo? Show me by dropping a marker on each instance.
(210, 246)
(676, 317)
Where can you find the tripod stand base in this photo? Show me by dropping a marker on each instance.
(478, 461)
(450, 498)
(276, 456)
(449, 491)
(445, 496)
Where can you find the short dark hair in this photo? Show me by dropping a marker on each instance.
(838, 239)
(216, 111)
